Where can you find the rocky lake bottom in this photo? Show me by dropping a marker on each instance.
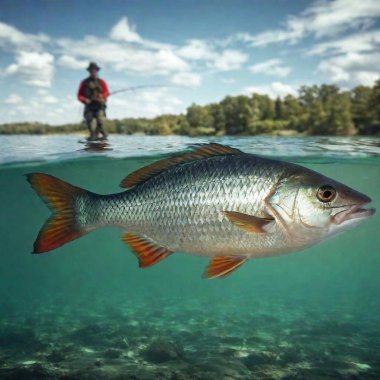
(167, 341)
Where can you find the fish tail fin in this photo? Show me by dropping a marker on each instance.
(61, 197)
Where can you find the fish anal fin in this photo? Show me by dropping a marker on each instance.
(147, 252)
(247, 222)
(222, 266)
(204, 151)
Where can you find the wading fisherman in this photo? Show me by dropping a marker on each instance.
(93, 93)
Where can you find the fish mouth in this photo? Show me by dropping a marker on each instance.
(353, 212)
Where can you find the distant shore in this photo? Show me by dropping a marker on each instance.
(317, 110)
(84, 133)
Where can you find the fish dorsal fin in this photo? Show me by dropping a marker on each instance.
(221, 266)
(146, 251)
(204, 151)
(247, 222)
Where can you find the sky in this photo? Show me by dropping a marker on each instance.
(202, 50)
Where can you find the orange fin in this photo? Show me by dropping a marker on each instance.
(146, 251)
(207, 150)
(247, 222)
(221, 266)
(61, 227)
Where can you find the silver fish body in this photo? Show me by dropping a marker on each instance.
(229, 204)
(182, 208)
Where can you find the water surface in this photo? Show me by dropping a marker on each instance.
(86, 310)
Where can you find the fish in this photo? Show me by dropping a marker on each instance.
(214, 201)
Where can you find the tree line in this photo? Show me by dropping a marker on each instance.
(317, 110)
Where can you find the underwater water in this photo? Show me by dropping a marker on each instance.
(86, 311)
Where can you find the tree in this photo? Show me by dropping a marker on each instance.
(317, 110)
(278, 110)
(361, 110)
(316, 118)
(199, 117)
(338, 118)
(374, 104)
(238, 113)
(219, 118)
(294, 113)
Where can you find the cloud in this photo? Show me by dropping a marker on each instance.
(123, 31)
(187, 79)
(146, 62)
(35, 69)
(352, 68)
(321, 19)
(138, 55)
(209, 52)
(271, 67)
(123, 57)
(273, 90)
(13, 99)
(71, 62)
(358, 42)
(147, 103)
(34, 110)
(293, 31)
(351, 60)
(10, 37)
(229, 60)
(228, 80)
(33, 65)
(198, 50)
(49, 99)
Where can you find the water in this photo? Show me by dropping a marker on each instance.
(87, 311)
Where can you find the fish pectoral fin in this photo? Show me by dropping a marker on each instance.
(247, 222)
(221, 266)
(148, 252)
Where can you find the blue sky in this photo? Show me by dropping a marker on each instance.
(208, 49)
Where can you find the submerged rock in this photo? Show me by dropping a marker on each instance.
(112, 353)
(28, 372)
(160, 351)
(256, 359)
(20, 337)
(92, 334)
(55, 356)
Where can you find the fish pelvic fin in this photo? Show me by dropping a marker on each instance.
(204, 151)
(222, 266)
(147, 252)
(62, 227)
(249, 223)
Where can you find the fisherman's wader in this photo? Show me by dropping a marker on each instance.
(94, 113)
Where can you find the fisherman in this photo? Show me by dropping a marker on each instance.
(93, 93)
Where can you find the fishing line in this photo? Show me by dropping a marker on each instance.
(141, 87)
(133, 88)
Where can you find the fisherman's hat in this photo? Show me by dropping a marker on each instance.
(93, 65)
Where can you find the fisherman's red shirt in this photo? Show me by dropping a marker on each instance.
(84, 93)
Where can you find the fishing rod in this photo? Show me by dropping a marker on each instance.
(138, 87)
(133, 88)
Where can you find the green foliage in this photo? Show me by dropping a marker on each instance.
(318, 110)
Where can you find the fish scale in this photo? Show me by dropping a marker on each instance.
(215, 201)
(182, 208)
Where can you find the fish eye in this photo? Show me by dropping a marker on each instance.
(326, 193)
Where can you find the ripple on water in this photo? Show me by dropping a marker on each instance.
(25, 148)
